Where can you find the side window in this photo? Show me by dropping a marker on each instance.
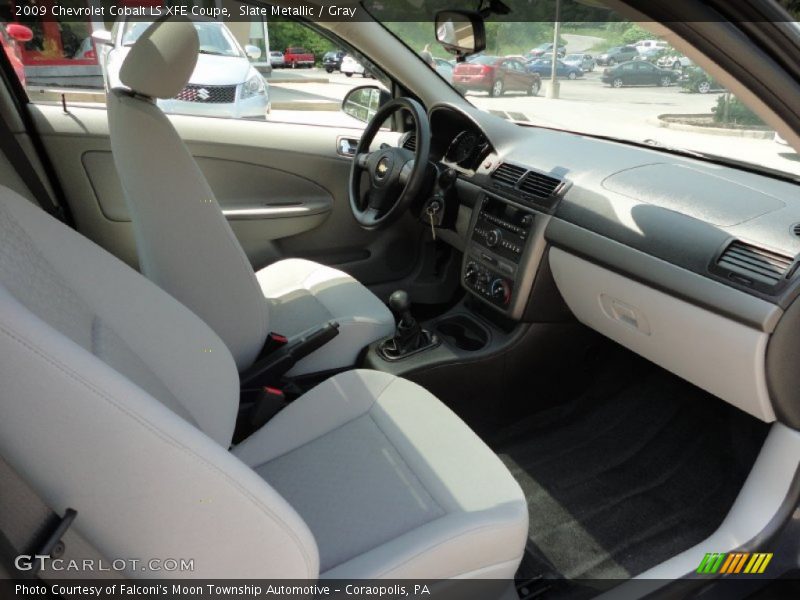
(264, 69)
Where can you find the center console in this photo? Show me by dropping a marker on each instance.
(500, 258)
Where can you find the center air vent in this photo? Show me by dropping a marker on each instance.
(755, 264)
(507, 174)
(539, 185)
(411, 143)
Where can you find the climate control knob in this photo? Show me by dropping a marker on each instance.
(493, 237)
(471, 273)
(500, 291)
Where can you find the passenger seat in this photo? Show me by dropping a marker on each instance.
(119, 402)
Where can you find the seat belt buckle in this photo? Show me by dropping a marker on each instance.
(273, 342)
(271, 400)
(53, 546)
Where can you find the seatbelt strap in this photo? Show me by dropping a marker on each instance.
(22, 165)
(30, 528)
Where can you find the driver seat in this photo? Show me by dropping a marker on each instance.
(185, 244)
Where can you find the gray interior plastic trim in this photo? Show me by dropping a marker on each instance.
(686, 190)
(666, 277)
(717, 354)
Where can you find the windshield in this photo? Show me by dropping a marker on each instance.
(214, 37)
(649, 94)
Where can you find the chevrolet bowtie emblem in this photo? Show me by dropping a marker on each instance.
(382, 168)
(203, 94)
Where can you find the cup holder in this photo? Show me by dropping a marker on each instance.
(463, 333)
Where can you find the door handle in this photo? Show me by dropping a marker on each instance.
(346, 146)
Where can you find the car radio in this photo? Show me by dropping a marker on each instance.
(497, 246)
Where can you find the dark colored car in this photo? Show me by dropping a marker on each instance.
(696, 80)
(332, 61)
(495, 75)
(543, 49)
(617, 54)
(639, 72)
(544, 67)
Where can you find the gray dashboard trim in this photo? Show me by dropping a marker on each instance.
(666, 277)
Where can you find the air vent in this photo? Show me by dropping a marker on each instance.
(541, 186)
(411, 143)
(754, 263)
(796, 229)
(507, 174)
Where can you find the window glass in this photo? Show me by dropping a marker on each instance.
(652, 93)
(261, 69)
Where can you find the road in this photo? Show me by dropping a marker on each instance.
(580, 43)
(585, 105)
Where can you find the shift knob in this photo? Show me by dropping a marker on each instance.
(399, 302)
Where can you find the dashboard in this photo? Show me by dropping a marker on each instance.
(691, 264)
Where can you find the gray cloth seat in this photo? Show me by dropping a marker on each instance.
(120, 402)
(186, 246)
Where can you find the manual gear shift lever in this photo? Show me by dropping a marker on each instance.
(401, 306)
(409, 336)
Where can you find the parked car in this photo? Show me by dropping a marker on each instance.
(298, 57)
(332, 61)
(543, 49)
(650, 55)
(544, 67)
(648, 45)
(617, 54)
(585, 62)
(639, 72)
(350, 66)
(694, 79)
(496, 75)
(223, 84)
(276, 59)
(444, 68)
(12, 34)
(674, 61)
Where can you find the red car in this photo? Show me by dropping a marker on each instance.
(495, 75)
(10, 35)
(298, 57)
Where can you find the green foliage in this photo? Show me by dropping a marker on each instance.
(287, 34)
(736, 113)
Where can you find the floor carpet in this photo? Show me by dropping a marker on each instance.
(638, 467)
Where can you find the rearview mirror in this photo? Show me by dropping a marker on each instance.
(253, 52)
(460, 32)
(363, 102)
(101, 36)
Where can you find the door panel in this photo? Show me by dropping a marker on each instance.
(284, 187)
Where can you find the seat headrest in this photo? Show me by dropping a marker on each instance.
(161, 61)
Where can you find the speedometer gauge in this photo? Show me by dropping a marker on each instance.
(462, 147)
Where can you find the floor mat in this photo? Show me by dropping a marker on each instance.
(637, 468)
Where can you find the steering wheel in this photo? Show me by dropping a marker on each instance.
(395, 175)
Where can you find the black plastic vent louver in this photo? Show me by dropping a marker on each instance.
(411, 143)
(796, 229)
(508, 174)
(760, 265)
(539, 185)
